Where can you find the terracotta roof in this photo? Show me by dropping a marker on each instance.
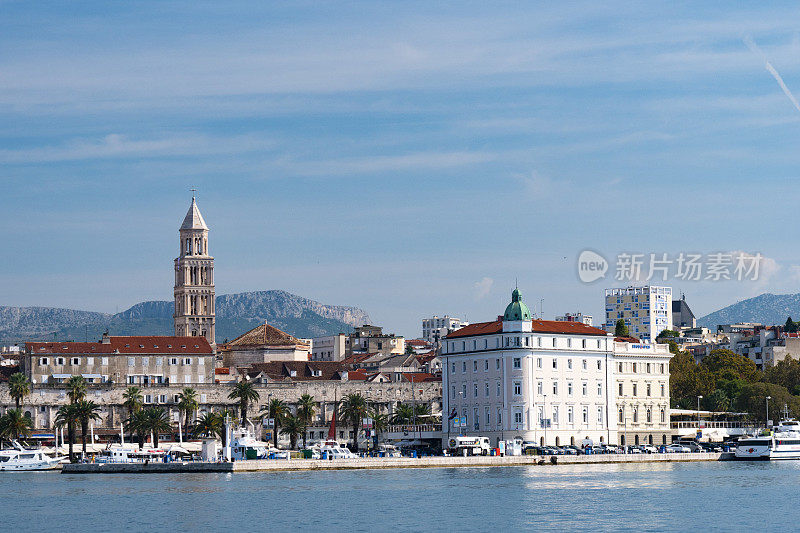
(264, 335)
(222, 371)
(420, 377)
(628, 339)
(539, 326)
(417, 342)
(357, 358)
(125, 345)
(304, 370)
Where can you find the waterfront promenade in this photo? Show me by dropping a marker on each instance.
(274, 465)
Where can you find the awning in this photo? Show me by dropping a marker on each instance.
(92, 376)
(62, 376)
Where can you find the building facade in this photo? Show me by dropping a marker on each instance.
(194, 280)
(263, 344)
(576, 317)
(647, 311)
(641, 378)
(434, 329)
(535, 380)
(330, 348)
(368, 339)
(147, 361)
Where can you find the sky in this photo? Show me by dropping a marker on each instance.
(408, 158)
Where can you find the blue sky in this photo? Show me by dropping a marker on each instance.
(407, 158)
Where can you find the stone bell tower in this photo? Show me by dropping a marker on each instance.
(194, 279)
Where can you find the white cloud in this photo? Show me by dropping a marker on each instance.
(756, 50)
(483, 288)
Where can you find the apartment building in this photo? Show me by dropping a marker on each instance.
(647, 311)
(434, 329)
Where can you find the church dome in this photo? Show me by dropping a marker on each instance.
(517, 310)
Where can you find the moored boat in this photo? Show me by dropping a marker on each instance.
(21, 459)
(782, 443)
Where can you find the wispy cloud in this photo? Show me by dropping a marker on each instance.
(483, 287)
(756, 50)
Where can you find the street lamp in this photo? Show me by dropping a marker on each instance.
(768, 398)
(698, 411)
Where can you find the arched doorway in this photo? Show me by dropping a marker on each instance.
(663, 439)
(541, 441)
(601, 440)
(622, 440)
(650, 439)
(572, 441)
(636, 440)
(558, 441)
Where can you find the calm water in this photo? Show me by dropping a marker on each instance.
(664, 497)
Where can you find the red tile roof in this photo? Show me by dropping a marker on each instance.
(125, 345)
(304, 370)
(420, 377)
(539, 326)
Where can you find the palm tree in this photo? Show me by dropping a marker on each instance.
(277, 410)
(86, 410)
(305, 411)
(18, 387)
(380, 423)
(293, 426)
(422, 410)
(15, 424)
(246, 394)
(208, 425)
(133, 400)
(353, 409)
(403, 414)
(67, 415)
(138, 425)
(187, 404)
(157, 422)
(76, 389)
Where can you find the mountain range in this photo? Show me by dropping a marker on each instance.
(236, 314)
(768, 309)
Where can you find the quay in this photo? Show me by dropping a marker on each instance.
(273, 465)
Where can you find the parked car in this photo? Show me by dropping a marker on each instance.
(648, 448)
(633, 449)
(575, 450)
(711, 447)
(570, 450)
(678, 448)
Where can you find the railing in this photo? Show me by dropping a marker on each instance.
(707, 425)
(411, 428)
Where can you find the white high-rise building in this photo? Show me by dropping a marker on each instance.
(576, 317)
(436, 328)
(647, 311)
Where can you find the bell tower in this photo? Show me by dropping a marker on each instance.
(194, 279)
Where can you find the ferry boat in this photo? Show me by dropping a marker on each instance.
(782, 443)
(20, 460)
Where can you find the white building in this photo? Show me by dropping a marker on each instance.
(434, 329)
(577, 317)
(540, 381)
(641, 377)
(647, 311)
(329, 348)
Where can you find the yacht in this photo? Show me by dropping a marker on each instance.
(782, 443)
(20, 459)
(331, 449)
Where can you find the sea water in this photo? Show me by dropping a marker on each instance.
(713, 496)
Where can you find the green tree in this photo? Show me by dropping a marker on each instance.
(422, 410)
(790, 326)
(67, 415)
(18, 387)
(86, 411)
(138, 424)
(293, 427)
(667, 334)
(132, 400)
(688, 380)
(717, 401)
(14, 424)
(208, 425)
(157, 422)
(785, 373)
(76, 389)
(353, 409)
(731, 365)
(621, 330)
(752, 399)
(245, 393)
(187, 405)
(380, 423)
(278, 411)
(305, 411)
(403, 414)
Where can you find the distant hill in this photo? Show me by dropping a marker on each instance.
(236, 313)
(768, 309)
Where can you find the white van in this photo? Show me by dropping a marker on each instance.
(469, 445)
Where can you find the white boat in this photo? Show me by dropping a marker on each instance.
(782, 443)
(130, 454)
(20, 459)
(332, 450)
(244, 446)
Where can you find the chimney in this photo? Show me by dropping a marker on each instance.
(106, 338)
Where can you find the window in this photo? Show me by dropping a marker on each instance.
(498, 389)
(569, 388)
(131, 361)
(475, 365)
(187, 361)
(600, 416)
(499, 417)
(486, 387)
(555, 415)
(104, 361)
(148, 398)
(145, 361)
(648, 368)
(569, 343)
(517, 417)
(634, 368)
(599, 365)
(649, 416)
(539, 388)
(583, 343)
(463, 366)
(488, 416)
(517, 363)
(527, 341)
(475, 391)
(555, 388)
(90, 361)
(635, 415)
(44, 361)
(585, 415)
(476, 420)
(662, 390)
(634, 389)
(661, 368)
(497, 364)
(570, 415)
(663, 416)
(619, 368)
(621, 416)
(173, 361)
(599, 388)
(60, 361)
(555, 363)
(452, 368)
(585, 364)
(620, 389)
(539, 361)
(648, 389)
(486, 365)
(75, 361)
(463, 390)
(584, 388)
(539, 341)
(517, 388)
(569, 364)
(453, 392)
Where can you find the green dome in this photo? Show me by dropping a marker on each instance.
(517, 310)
